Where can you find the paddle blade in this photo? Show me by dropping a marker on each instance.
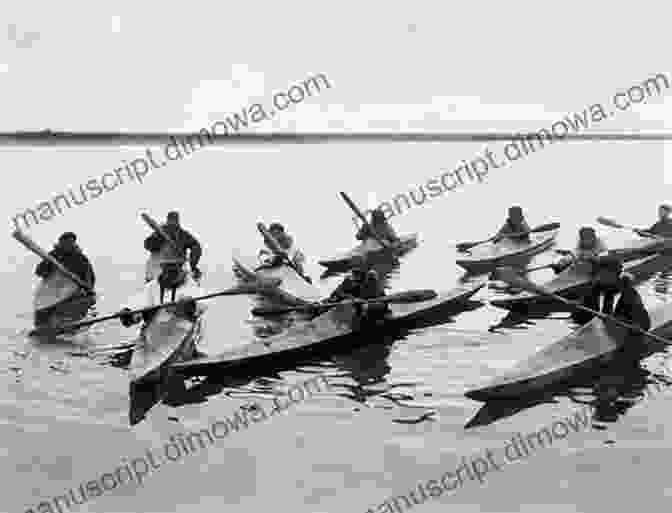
(545, 227)
(411, 296)
(510, 276)
(609, 222)
(466, 246)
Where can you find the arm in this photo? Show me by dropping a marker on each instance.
(194, 247)
(90, 276)
(154, 243)
(44, 269)
(363, 233)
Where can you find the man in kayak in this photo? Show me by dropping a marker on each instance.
(170, 286)
(67, 252)
(185, 242)
(609, 282)
(365, 284)
(381, 227)
(588, 248)
(515, 224)
(286, 242)
(663, 227)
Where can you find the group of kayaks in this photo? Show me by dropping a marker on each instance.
(170, 341)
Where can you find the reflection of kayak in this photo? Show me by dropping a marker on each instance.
(293, 290)
(487, 257)
(572, 282)
(57, 300)
(324, 331)
(168, 338)
(593, 343)
(369, 248)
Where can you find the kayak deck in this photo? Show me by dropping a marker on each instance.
(591, 343)
(506, 252)
(369, 248)
(330, 327)
(572, 282)
(293, 289)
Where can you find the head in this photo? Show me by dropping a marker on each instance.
(279, 234)
(173, 219)
(587, 237)
(68, 241)
(664, 212)
(377, 216)
(516, 214)
(609, 270)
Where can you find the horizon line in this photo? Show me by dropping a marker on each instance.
(59, 138)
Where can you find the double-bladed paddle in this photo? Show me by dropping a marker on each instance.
(361, 216)
(466, 246)
(277, 249)
(29, 244)
(509, 275)
(243, 289)
(411, 296)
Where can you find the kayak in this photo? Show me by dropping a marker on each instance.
(594, 343)
(57, 300)
(324, 331)
(573, 282)
(486, 257)
(369, 248)
(293, 289)
(168, 338)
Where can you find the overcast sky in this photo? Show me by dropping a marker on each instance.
(394, 65)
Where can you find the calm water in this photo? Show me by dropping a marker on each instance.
(396, 414)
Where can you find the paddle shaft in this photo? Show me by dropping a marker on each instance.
(401, 297)
(29, 244)
(83, 324)
(573, 304)
(361, 216)
(158, 229)
(276, 248)
(547, 266)
(542, 228)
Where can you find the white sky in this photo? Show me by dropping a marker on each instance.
(422, 65)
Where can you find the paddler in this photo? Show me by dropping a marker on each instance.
(170, 286)
(286, 243)
(365, 284)
(515, 224)
(381, 227)
(67, 252)
(663, 227)
(588, 248)
(185, 242)
(609, 282)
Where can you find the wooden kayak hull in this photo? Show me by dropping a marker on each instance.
(369, 249)
(593, 343)
(167, 339)
(292, 291)
(486, 257)
(322, 333)
(573, 282)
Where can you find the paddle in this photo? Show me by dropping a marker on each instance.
(275, 247)
(547, 266)
(508, 275)
(359, 214)
(411, 296)
(58, 330)
(465, 246)
(613, 224)
(31, 246)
